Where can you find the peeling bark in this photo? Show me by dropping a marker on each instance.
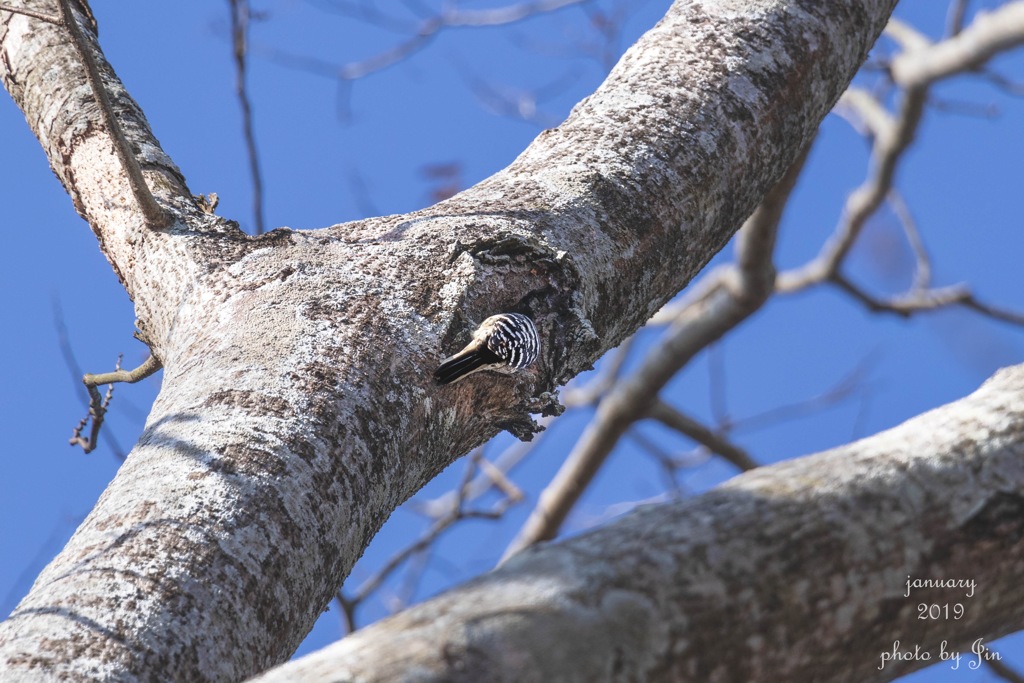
(794, 572)
(297, 410)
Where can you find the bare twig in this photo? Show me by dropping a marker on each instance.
(923, 264)
(996, 665)
(75, 370)
(348, 612)
(578, 394)
(839, 392)
(672, 418)
(717, 385)
(1005, 84)
(425, 31)
(42, 16)
(361, 194)
(369, 13)
(918, 301)
(891, 139)
(977, 110)
(446, 511)
(955, 17)
(240, 17)
(728, 295)
(410, 580)
(521, 104)
(668, 466)
(512, 493)
(58, 536)
(66, 350)
(608, 26)
(98, 404)
(155, 215)
(447, 177)
(422, 34)
(484, 482)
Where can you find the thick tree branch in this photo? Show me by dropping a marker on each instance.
(789, 572)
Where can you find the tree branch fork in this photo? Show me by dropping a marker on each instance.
(303, 452)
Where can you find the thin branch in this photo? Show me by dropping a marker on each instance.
(410, 581)
(48, 18)
(98, 404)
(58, 536)
(1005, 84)
(66, 350)
(844, 388)
(521, 104)
(717, 384)
(367, 587)
(75, 370)
(604, 50)
(446, 511)
(720, 298)
(922, 261)
(989, 34)
(912, 302)
(687, 426)
(578, 395)
(914, 71)
(240, 18)
(446, 178)
(368, 13)
(484, 482)
(980, 111)
(667, 465)
(995, 663)
(498, 478)
(891, 138)
(155, 215)
(348, 612)
(908, 37)
(955, 16)
(361, 194)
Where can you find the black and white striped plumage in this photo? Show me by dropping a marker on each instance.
(505, 341)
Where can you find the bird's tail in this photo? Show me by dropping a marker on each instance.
(463, 363)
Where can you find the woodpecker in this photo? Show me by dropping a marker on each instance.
(507, 340)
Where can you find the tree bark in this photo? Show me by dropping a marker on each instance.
(297, 409)
(794, 572)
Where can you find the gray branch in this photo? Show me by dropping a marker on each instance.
(792, 572)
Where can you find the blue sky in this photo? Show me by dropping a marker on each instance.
(329, 158)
